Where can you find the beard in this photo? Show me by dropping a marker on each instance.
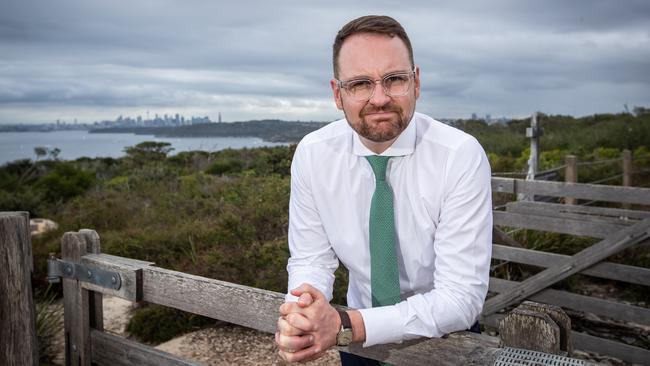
(379, 130)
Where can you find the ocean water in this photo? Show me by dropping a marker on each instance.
(76, 144)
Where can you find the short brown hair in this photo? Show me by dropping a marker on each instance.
(380, 24)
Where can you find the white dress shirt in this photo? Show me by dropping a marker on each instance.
(440, 177)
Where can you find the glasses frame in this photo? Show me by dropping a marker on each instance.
(344, 84)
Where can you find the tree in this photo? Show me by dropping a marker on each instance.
(148, 151)
(40, 151)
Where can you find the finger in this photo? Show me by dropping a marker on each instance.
(285, 328)
(305, 299)
(289, 307)
(298, 356)
(314, 357)
(305, 287)
(294, 343)
(300, 322)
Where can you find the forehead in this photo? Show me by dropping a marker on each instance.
(370, 54)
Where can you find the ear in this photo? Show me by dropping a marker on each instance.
(336, 91)
(417, 82)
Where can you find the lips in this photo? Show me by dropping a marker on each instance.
(379, 113)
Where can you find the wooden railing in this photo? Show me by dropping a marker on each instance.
(88, 275)
(246, 306)
(257, 309)
(618, 228)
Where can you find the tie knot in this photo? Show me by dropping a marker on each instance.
(378, 164)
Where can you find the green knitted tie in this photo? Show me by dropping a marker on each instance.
(384, 276)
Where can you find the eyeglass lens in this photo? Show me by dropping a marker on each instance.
(395, 85)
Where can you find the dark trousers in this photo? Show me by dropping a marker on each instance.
(348, 359)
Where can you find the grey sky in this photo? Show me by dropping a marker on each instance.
(95, 60)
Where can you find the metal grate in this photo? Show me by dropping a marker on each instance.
(522, 357)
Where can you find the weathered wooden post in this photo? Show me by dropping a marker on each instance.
(82, 308)
(537, 327)
(627, 172)
(17, 314)
(570, 175)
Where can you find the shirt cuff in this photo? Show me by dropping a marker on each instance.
(383, 325)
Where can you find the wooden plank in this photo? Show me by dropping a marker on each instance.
(500, 237)
(503, 185)
(618, 241)
(243, 305)
(461, 348)
(598, 192)
(555, 224)
(588, 304)
(586, 342)
(607, 270)
(96, 311)
(18, 342)
(130, 274)
(76, 306)
(112, 350)
(526, 209)
(550, 209)
(623, 351)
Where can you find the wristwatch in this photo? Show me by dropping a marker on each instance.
(344, 337)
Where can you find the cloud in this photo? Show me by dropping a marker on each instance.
(252, 60)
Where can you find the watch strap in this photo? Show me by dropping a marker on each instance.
(345, 320)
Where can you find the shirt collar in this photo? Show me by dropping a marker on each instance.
(404, 145)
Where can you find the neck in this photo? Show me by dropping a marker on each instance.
(377, 147)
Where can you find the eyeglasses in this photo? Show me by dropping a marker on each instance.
(394, 85)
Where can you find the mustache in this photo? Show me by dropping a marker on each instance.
(369, 109)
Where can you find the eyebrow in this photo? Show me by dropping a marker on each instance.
(365, 77)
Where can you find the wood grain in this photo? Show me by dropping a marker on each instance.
(18, 344)
(112, 350)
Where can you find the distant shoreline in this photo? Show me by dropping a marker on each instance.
(267, 130)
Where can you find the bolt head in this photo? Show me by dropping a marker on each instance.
(113, 280)
(90, 274)
(68, 269)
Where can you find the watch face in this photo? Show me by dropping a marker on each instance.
(344, 337)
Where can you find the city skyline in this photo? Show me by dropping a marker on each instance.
(94, 61)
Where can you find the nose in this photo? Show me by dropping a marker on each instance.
(379, 97)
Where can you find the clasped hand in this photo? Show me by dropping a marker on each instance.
(308, 327)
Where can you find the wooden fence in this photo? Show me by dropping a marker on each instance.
(246, 306)
(88, 274)
(617, 228)
(572, 166)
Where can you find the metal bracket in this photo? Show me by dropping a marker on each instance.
(57, 268)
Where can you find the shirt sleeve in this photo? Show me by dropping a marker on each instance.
(312, 258)
(462, 246)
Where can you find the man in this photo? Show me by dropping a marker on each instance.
(401, 200)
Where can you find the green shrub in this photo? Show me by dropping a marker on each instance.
(48, 324)
(225, 166)
(64, 182)
(156, 324)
